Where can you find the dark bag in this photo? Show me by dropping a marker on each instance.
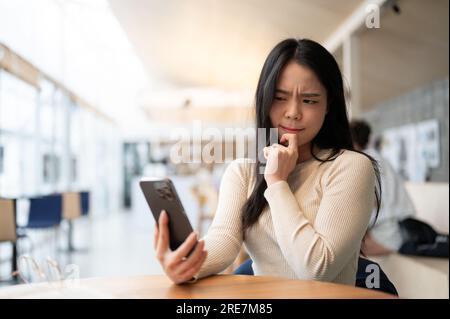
(420, 239)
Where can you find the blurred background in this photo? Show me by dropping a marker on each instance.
(92, 91)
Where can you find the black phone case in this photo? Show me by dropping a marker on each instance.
(160, 194)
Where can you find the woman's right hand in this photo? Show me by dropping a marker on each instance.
(177, 266)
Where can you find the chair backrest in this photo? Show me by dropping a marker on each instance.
(45, 211)
(85, 202)
(7, 220)
(71, 205)
(245, 268)
(365, 268)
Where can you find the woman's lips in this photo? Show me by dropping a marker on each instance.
(291, 129)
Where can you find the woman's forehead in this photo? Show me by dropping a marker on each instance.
(298, 77)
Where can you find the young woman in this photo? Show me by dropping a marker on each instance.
(306, 216)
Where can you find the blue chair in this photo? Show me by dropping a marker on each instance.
(85, 203)
(45, 211)
(245, 268)
(385, 284)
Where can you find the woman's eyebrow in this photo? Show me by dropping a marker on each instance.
(282, 91)
(310, 94)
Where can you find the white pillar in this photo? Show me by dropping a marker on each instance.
(352, 74)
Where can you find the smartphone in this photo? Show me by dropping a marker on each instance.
(160, 194)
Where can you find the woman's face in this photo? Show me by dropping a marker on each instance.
(300, 103)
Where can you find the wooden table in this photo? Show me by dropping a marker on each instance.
(214, 287)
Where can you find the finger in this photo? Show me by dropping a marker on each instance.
(192, 259)
(266, 152)
(163, 229)
(292, 139)
(186, 246)
(194, 269)
(179, 255)
(155, 239)
(286, 139)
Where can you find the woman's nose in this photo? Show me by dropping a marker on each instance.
(293, 111)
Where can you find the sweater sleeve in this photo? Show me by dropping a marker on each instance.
(224, 238)
(320, 250)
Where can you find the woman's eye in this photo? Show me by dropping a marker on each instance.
(279, 98)
(310, 101)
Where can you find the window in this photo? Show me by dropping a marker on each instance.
(46, 121)
(1, 159)
(18, 140)
(10, 180)
(18, 105)
(51, 168)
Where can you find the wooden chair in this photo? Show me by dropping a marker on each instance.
(71, 210)
(71, 205)
(8, 227)
(206, 196)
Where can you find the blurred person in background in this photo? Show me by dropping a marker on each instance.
(384, 237)
(396, 228)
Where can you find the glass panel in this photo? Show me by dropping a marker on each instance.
(61, 104)
(46, 120)
(18, 104)
(10, 179)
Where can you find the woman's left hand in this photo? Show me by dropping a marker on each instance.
(281, 160)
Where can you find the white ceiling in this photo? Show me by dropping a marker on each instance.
(221, 44)
(409, 50)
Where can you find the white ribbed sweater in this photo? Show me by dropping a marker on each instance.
(312, 228)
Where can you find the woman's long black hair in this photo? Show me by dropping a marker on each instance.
(335, 132)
